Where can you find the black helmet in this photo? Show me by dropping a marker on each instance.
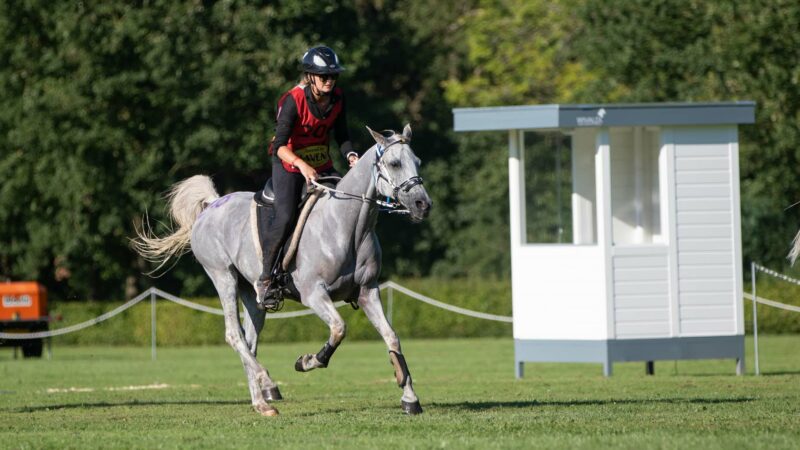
(321, 60)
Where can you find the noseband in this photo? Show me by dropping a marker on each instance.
(405, 186)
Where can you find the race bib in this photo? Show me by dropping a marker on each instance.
(315, 155)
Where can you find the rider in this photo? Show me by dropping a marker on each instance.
(306, 115)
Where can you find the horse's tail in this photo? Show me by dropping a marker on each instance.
(795, 248)
(186, 200)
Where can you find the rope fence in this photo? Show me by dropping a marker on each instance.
(391, 287)
(773, 303)
(754, 269)
(79, 326)
(155, 292)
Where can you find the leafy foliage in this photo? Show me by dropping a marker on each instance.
(707, 51)
(104, 105)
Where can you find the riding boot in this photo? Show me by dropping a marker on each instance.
(269, 251)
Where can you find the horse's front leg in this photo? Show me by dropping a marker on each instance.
(320, 301)
(370, 301)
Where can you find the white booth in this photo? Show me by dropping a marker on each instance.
(625, 230)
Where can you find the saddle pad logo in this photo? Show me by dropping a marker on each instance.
(315, 155)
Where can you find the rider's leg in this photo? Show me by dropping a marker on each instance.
(287, 187)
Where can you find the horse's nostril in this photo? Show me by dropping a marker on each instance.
(423, 205)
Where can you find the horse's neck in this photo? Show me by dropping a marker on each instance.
(358, 216)
(361, 179)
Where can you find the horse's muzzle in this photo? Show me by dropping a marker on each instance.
(421, 208)
(424, 206)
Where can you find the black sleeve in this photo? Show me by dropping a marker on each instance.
(340, 131)
(287, 116)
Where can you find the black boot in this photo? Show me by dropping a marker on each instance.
(269, 253)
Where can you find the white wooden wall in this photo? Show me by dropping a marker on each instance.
(707, 230)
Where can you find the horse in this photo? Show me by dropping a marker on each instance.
(795, 251)
(338, 256)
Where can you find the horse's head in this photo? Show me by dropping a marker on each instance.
(398, 173)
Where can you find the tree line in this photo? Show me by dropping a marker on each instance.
(103, 105)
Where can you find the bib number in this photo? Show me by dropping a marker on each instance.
(315, 155)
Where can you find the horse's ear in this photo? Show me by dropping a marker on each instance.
(379, 138)
(407, 132)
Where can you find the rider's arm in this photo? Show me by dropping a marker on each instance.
(287, 116)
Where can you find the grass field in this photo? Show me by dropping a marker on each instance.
(195, 397)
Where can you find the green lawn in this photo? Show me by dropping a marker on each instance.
(196, 397)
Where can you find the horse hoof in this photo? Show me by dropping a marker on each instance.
(298, 365)
(411, 408)
(272, 394)
(266, 410)
(305, 363)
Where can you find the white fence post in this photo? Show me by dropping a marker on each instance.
(755, 314)
(152, 324)
(389, 303)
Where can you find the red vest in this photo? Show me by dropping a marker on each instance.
(309, 138)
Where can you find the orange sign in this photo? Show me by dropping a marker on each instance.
(25, 300)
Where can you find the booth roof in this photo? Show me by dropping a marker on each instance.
(531, 117)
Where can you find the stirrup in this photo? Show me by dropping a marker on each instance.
(270, 299)
(271, 305)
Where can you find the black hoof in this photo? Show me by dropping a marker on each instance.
(298, 365)
(272, 394)
(411, 408)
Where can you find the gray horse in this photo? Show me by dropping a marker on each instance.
(338, 256)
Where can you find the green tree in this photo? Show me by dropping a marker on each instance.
(514, 52)
(691, 50)
(104, 105)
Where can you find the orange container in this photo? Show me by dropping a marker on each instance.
(24, 300)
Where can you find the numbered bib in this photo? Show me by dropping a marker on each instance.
(315, 155)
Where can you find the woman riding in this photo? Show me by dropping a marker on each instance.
(306, 115)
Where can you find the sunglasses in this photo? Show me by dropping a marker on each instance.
(328, 76)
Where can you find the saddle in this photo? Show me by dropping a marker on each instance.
(282, 285)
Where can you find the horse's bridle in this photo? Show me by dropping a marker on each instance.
(388, 205)
(405, 186)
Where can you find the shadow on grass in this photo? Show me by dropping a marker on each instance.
(463, 406)
(780, 372)
(479, 406)
(29, 409)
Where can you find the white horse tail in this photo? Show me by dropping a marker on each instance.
(186, 200)
(795, 248)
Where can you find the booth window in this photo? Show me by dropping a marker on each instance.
(635, 193)
(548, 188)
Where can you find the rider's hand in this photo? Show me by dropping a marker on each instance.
(308, 172)
(352, 159)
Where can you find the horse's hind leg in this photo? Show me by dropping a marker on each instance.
(225, 282)
(370, 301)
(320, 302)
(253, 324)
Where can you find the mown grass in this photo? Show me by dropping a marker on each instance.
(466, 386)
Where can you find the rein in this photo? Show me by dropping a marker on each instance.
(392, 207)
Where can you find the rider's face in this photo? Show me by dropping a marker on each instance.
(325, 83)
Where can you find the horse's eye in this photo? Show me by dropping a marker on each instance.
(394, 164)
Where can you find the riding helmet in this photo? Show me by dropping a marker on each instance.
(321, 60)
